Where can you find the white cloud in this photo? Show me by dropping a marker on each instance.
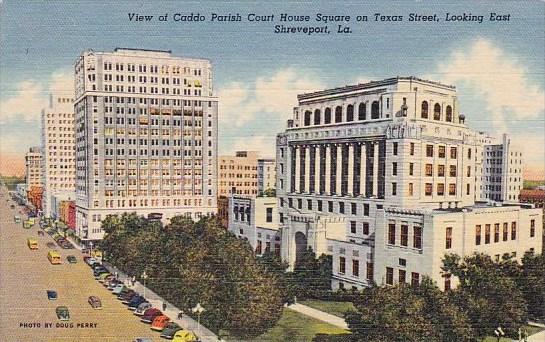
(30, 97)
(503, 83)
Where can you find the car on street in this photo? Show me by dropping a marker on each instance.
(95, 302)
(50, 245)
(135, 302)
(150, 315)
(159, 323)
(71, 259)
(184, 336)
(143, 339)
(51, 294)
(12, 206)
(170, 329)
(62, 313)
(142, 308)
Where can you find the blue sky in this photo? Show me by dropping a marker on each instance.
(498, 68)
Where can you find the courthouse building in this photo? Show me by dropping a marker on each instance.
(146, 136)
(386, 177)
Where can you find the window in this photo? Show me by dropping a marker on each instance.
(341, 207)
(448, 238)
(394, 169)
(394, 189)
(411, 189)
(309, 204)
(415, 279)
(330, 206)
(307, 118)
(424, 110)
(394, 146)
(441, 152)
(513, 230)
(469, 154)
(449, 114)
(259, 248)
(402, 276)
(369, 274)
(428, 189)
(417, 237)
(353, 227)
(365, 209)
(375, 110)
(429, 150)
(468, 189)
(342, 265)
(338, 114)
(441, 170)
(404, 235)
(389, 276)
(452, 189)
(319, 205)
(497, 232)
(429, 170)
(411, 149)
(362, 112)
(437, 112)
(440, 189)
(447, 282)
(453, 153)
(299, 203)
(392, 234)
(452, 170)
(365, 228)
(469, 171)
(350, 113)
(411, 169)
(269, 214)
(317, 117)
(505, 231)
(487, 234)
(327, 116)
(532, 228)
(356, 268)
(478, 234)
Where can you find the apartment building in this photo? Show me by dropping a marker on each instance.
(238, 174)
(384, 176)
(33, 168)
(266, 175)
(146, 136)
(58, 150)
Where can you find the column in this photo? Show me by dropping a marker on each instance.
(328, 169)
(339, 172)
(363, 167)
(317, 156)
(351, 169)
(375, 169)
(297, 167)
(307, 170)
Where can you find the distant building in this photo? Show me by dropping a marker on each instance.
(223, 211)
(266, 175)
(33, 167)
(238, 174)
(58, 150)
(256, 220)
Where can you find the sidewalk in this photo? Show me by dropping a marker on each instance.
(540, 336)
(319, 315)
(172, 312)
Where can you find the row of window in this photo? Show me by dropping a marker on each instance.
(504, 232)
(402, 276)
(404, 236)
(338, 115)
(341, 206)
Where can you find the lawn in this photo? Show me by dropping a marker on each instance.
(296, 327)
(334, 308)
(530, 328)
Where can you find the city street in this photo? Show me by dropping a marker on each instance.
(27, 274)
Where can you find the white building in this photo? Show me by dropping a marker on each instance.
(375, 173)
(58, 150)
(256, 220)
(266, 175)
(33, 167)
(146, 136)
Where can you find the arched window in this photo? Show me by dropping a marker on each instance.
(317, 117)
(375, 110)
(362, 112)
(424, 110)
(327, 116)
(350, 113)
(339, 114)
(448, 114)
(437, 112)
(308, 113)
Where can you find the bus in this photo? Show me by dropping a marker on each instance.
(32, 243)
(54, 257)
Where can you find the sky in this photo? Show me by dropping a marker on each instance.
(498, 68)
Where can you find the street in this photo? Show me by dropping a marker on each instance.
(27, 274)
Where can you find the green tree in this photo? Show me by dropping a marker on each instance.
(487, 294)
(270, 192)
(311, 275)
(407, 313)
(532, 284)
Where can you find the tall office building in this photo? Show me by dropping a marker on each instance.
(384, 176)
(238, 174)
(58, 150)
(146, 137)
(33, 167)
(266, 175)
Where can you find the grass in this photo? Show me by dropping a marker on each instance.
(531, 184)
(530, 328)
(296, 327)
(335, 308)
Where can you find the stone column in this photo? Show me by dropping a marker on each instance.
(297, 167)
(328, 169)
(363, 167)
(317, 152)
(375, 169)
(351, 169)
(307, 171)
(338, 175)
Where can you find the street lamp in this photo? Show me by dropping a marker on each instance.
(144, 276)
(198, 309)
(499, 333)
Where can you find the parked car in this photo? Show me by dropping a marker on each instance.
(62, 313)
(142, 308)
(143, 339)
(170, 329)
(108, 279)
(150, 315)
(99, 270)
(51, 294)
(159, 323)
(119, 288)
(95, 302)
(71, 259)
(184, 336)
(103, 276)
(135, 301)
(127, 296)
(113, 283)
